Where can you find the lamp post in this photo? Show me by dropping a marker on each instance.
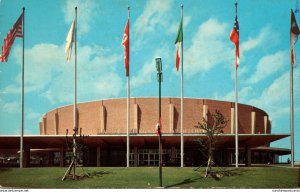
(158, 126)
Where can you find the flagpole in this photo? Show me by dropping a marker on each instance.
(292, 114)
(181, 101)
(236, 120)
(128, 99)
(236, 109)
(294, 32)
(22, 96)
(75, 99)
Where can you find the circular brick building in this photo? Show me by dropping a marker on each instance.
(104, 126)
(109, 117)
(105, 123)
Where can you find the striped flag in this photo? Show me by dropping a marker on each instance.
(178, 44)
(15, 31)
(294, 32)
(234, 37)
(70, 40)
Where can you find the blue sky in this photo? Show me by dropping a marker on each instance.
(208, 55)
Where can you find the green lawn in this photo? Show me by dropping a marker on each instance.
(147, 177)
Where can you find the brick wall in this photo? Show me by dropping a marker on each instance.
(112, 114)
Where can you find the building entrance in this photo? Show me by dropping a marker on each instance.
(148, 157)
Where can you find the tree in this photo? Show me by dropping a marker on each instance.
(80, 147)
(211, 127)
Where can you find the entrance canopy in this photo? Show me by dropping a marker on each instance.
(137, 140)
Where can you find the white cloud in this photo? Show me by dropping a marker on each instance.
(148, 70)
(86, 11)
(48, 74)
(275, 98)
(144, 75)
(152, 16)
(266, 36)
(109, 85)
(41, 62)
(209, 47)
(174, 26)
(275, 93)
(11, 89)
(11, 107)
(243, 94)
(269, 65)
(31, 114)
(155, 14)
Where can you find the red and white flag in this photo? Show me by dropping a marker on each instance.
(234, 37)
(15, 31)
(125, 43)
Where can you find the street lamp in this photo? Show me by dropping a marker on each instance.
(158, 126)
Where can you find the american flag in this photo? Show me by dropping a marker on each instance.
(15, 31)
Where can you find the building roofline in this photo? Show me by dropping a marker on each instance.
(147, 97)
(151, 134)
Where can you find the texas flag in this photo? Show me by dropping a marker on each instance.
(234, 37)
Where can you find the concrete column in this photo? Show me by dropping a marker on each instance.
(248, 156)
(232, 120)
(204, 114)
(62, 157)
(98, 156)
(55, 123)
(102, 126)
(135, 118)
(44, 125)
(205, 109)
(171, 118)
(253, 117)
(135, 156)
(265, 123)
(41, 128)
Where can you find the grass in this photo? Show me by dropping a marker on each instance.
(147, 177)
